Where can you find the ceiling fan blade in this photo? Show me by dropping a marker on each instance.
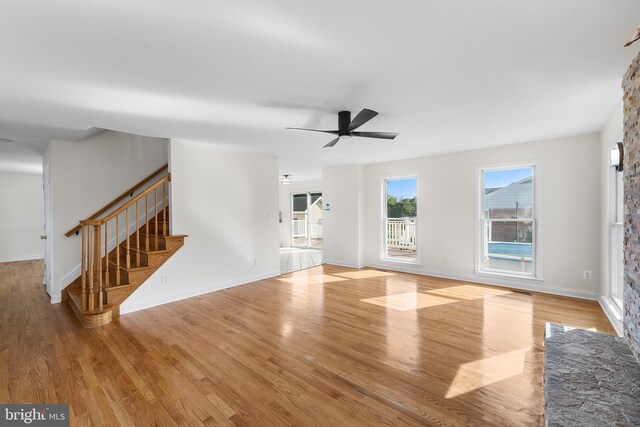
(334, 132)
(363, 117)
(379, 135)
(332, 143)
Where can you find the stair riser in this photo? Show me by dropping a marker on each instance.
(115, 295)
(136, 259)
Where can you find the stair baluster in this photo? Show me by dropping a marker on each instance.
(97, 264)
(90, 305)
(128, 252)
(146, 222)
(106, 254)
(155, 214)
(137, 237)
(118, 282)
(83, 271)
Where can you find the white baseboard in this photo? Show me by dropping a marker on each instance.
(22, 258)
(613, 314)
(497, 281)
(70, 277)
(340, 263)
(165, 299)
(56, 299)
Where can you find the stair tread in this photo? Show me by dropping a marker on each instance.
(150, 251)
(130, 268)
(120, 286)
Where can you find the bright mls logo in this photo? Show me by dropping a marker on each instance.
(34, 415)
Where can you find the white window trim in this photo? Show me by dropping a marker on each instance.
(383, 210)
(537, 274)
(615, 217)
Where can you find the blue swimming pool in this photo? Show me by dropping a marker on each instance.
(510, 249)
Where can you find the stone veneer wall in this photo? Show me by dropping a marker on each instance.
(631, 87)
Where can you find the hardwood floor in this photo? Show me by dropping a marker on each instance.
(323, 346)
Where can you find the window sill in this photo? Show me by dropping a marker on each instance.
(400, 261)
(530, 279)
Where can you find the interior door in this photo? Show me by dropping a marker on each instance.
(46, 221)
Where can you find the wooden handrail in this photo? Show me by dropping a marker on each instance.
(117, 200)
(139, 197)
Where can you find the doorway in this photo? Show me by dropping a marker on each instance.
(46, 224)
(306, 220)
(305, 248)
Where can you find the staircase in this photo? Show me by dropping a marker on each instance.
(120, 251)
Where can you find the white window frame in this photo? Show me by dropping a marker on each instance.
(383, 224)
(536, 270)
(615, 220)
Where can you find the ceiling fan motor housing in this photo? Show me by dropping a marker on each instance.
(344, 119)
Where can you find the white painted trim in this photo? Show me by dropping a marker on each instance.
(22, 258)
(56, 299)
(613, 314)
(67, 279)
(511, 282)
(341, 263)
(213, 287)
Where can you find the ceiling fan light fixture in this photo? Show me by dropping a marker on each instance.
(347, 136)
(286, 179)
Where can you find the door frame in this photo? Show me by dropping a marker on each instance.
(307, 216)
(47, 225)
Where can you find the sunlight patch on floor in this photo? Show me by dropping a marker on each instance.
(364, 274)
(468, 292)
(484, 372)
(409, 301)
(312, 279)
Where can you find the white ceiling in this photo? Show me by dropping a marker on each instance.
(447, 75)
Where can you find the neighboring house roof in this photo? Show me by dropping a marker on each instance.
(520, 192)
(300, 203)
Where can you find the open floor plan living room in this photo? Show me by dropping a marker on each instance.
(270, 213)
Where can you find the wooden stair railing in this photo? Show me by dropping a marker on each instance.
(120, 198)
(120, 251)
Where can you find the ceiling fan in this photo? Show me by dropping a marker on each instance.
(347, 127)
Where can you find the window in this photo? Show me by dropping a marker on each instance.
(507, 222)
(616, 236)
(400, 219)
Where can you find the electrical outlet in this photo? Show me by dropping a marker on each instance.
(586, 274)
(164, 279)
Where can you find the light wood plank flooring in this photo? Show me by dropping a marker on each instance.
(323, 346)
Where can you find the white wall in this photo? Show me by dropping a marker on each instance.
(611, 133)
(227, 203)
(342, 237)
(286, 191)
(85, 176)
(569, 168)
(21, 200)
